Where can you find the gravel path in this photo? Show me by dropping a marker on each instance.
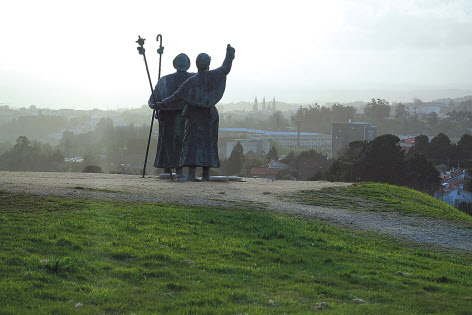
(257, 192)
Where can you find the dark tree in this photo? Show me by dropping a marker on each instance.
(464, 145)
(418, 103)
(318, 118)
(402, 112)
(348, 166)
(92, 169)
(433, 119)
(278, 118)
(421, 146)
(298, 119)
(290, 159)
(384, 161)
(341, 113)
(272, 155)
(441, 149)
(235, 160)
(377, 110)
(91, 158)
(22, 144)
(309, 163)
(27, 156)
(251, 160)
(66, 142)
(305, 165)
(104, 132)
(104, 125)
(422, 175)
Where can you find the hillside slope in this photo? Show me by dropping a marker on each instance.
(394, 207)
(66, 255)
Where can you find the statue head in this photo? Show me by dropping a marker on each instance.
(181, 62)
(203, 62)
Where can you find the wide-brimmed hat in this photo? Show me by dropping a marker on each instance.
(181, 62)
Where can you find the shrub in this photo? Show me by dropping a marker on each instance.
(92, 169)
(287, 177)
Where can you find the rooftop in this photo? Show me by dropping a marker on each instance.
(270, 133)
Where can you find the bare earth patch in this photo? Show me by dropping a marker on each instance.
(255, 192)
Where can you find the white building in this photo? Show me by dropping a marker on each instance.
(455, 197)
(260, 140)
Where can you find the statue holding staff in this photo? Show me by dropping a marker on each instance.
(171, 120)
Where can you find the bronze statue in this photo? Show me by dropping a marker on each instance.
(171, 120)
(201, 93)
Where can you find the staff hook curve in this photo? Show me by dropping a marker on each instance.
(160, 51)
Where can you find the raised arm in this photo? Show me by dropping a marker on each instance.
(228, 62)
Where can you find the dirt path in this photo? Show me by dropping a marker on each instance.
(258, 192)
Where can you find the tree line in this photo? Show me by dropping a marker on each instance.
(391, 119)
(121, 149)
(441, 151)
(31, 156)
(303, 165)
(383, 160)
(116, 149)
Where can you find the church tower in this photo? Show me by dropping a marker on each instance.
(263, 104)
(273, 105)
(255, 108)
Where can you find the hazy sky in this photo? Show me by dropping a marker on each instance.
(83, 54)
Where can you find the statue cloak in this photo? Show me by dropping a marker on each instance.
(171, 121)
(201, 93)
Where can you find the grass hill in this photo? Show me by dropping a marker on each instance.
(383, 197)
(59, 255)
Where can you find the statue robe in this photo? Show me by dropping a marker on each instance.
(171, 121)
(201, 93)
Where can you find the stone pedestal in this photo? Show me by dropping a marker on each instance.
(167, 175)
(219, 178)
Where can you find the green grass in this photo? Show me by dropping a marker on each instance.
(130, 257)
(382, 197)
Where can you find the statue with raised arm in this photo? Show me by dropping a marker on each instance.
(171, 120)
(201, 93)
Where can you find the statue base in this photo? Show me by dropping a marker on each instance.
(219, 178)
(167, 175)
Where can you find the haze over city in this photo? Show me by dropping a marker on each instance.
(83, 54)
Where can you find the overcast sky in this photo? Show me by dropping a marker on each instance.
(82, 54)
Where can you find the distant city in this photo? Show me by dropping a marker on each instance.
(257, 124)
(265, 138)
